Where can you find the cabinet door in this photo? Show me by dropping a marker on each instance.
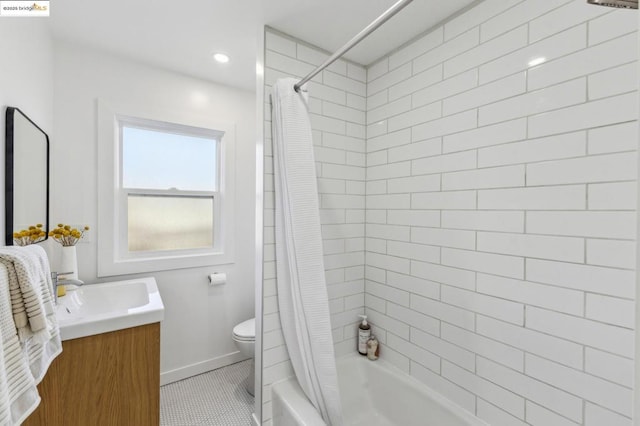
(107, 379)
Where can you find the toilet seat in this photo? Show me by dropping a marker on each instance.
(245, 331)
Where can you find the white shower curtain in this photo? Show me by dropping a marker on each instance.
(302, 291)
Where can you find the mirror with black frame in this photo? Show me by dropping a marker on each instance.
(26, 174)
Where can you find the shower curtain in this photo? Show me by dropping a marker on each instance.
(302, 291)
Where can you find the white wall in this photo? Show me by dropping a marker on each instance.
(337, 107)
(196, 332)
(26, 77)
(501, 212)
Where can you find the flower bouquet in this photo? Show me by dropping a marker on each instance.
(32, 235)
(66, 235)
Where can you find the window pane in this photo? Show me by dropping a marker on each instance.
(169, 223)
(158, 160)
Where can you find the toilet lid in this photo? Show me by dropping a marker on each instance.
(246, 330)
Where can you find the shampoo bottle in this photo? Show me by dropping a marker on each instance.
(364, 333)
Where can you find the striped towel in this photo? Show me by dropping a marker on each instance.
(18, 392)
(31, 293)
(26, 293)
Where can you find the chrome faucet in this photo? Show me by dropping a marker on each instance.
(64, 281)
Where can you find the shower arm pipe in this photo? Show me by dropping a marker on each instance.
(397, 7)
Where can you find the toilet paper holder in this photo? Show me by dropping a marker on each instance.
(217, 278)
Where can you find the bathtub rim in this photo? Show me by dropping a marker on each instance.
(290, 394)
(300, 406)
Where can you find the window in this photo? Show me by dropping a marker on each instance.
(167, 182)
(169, 187)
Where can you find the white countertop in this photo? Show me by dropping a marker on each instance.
(100, 308)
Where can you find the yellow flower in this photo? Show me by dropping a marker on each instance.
(31, 235)
(67, 235)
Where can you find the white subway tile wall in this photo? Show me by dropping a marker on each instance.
(482, 209)
(500, 259)
(337, 104)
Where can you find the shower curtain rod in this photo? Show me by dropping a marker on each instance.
(397, 7)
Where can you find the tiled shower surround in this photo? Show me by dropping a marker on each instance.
(500, 209)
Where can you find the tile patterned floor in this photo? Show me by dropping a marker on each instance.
(216, 398)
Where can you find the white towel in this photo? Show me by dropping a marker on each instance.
(18, 392)
(302, 291)
(32, 297)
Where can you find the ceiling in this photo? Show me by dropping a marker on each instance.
(182, 36)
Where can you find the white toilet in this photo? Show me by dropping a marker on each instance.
(244, 334)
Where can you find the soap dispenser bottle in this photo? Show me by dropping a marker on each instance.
(364, 333)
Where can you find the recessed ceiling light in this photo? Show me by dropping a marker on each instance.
(221, 57)
(537, 61)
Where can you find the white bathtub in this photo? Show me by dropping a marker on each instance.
(372, 393)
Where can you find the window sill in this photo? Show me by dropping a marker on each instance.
(162, 263)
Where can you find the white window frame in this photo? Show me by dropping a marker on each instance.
(114, 258)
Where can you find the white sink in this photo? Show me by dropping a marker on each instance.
(100, 308)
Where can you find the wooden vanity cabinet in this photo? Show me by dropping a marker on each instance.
(106, 379)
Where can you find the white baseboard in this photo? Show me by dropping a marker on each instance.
(200, 367)
(255, 420)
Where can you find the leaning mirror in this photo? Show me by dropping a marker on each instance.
(26, 174)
